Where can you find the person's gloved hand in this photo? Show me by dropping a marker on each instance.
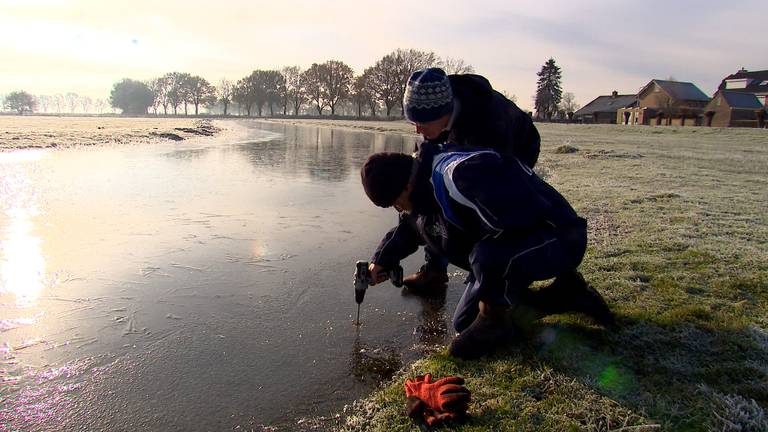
(444, 395)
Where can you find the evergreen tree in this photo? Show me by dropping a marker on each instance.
(548, 91)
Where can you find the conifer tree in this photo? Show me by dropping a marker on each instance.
(548, 91)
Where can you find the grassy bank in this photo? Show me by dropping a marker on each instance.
(679, 247)
(37, 132)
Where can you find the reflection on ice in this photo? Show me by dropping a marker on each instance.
(12, 323)
(22, 268)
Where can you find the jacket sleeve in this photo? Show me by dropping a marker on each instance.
(397, 244)
(500, 192)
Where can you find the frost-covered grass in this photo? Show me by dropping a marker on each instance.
(679, 247)
(25, 132)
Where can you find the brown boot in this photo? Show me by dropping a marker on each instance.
(428, 280)
(490, 329)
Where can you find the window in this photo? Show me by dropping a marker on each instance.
(737, 83)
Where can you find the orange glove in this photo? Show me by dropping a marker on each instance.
(436, 418)
(444, 395)
(418, 410)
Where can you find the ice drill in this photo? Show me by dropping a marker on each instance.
(363, 279)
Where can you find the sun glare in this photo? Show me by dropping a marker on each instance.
(22, 266)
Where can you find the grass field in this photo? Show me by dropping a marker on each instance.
(679, 247)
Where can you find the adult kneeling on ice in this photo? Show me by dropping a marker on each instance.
(495, 218)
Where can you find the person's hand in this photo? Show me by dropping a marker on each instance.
(444, 395)
(378, 273)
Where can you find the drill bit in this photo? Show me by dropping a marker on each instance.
(358, 315)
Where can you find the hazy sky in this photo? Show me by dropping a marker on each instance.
(85, 46)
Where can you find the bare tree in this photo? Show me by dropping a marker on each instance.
(294, 87)
(568, 103)
(72, 100)
(360, 94)
(508, 95)
(176, 89)
(159, 87)
(199, 91)
(336, 82)
(101, 105)
(274, 86)
(44, 101)
(312, 80)
(259, 79)
(385, 81)
(58, 102)
(456, 66)
(225, 92)
(85, 103)
(243, 95)
(251, 91)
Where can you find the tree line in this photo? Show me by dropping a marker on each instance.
(62, 103)
(321, 88)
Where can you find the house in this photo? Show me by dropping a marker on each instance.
(744, 81)
(670, 103)
(603, 109)
(734, 109)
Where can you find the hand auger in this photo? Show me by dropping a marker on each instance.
(363, 279)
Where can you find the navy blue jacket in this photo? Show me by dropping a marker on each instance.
(487, 119)
(464, 197)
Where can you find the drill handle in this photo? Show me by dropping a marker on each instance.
(362, 280)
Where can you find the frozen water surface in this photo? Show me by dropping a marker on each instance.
(197, 285)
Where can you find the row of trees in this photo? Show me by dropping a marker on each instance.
(69, 103)
(321, 87)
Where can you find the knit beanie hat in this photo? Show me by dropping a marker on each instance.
(428, 96)
(385, 176)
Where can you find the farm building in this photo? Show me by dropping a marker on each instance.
(669, 103)
(603, 109)
(734, 109)
(744, 81)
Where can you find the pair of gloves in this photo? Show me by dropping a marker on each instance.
(436, 402)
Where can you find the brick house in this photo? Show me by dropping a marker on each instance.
(741, 100)
(734, 109)
(669, 103)
(603, 109)
(744, 81)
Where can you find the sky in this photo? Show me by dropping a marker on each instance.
(85, 46)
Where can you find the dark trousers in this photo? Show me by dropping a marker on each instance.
(503, 268)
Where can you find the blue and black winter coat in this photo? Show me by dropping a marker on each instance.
(463, 197)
